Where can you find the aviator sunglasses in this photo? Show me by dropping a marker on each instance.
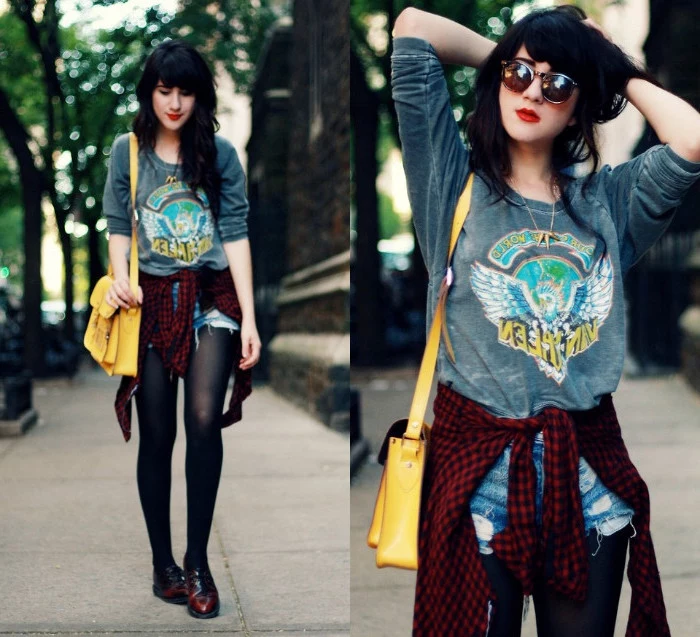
(517, 76)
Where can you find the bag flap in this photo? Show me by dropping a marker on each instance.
(99, 291)
(397, 430)
(106, 310)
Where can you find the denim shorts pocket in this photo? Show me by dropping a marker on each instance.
(489, 503)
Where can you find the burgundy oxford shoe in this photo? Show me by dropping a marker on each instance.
(203, 598)
(170, 585)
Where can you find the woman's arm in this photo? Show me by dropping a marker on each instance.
(675, 122)
(120, 294)
(453, 43)
(240, 264)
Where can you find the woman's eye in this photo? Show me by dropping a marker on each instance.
(164, 92)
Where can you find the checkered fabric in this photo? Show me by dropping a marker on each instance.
(173, 338)
(453, 593)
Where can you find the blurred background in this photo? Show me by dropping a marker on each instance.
(662, 368)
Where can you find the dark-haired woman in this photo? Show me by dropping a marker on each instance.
(529, 488)
(198, 321)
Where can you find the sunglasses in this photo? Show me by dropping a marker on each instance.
(517, 76)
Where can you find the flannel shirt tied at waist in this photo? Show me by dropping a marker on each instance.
(453, 593)
(173, 338)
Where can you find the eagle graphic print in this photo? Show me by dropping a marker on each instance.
(547, 307)
(178, 224)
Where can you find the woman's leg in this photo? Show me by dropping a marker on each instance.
(206, 382)
(559, 616)
(506, 618)
(156, 400)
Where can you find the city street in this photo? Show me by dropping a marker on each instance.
(660, 421)
(73, 544)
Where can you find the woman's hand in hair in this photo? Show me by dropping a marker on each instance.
(596, 27)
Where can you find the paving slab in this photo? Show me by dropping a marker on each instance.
(100, 591)
(264, 515)
(73, 543)
(293, 590)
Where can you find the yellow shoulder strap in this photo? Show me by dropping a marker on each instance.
(133, 178)
(427, 367)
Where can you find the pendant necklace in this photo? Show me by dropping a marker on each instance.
(543, 236)
(171, 179)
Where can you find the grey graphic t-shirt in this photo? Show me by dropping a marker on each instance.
(531, 326)
(176, 228)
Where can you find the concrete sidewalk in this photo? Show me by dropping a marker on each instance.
(73, 546)
(660, 421)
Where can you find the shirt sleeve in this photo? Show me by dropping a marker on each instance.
(233, 211)
(116, 201)
(435, 159)
(641, 196)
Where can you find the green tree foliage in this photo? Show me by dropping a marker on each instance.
(70, 90)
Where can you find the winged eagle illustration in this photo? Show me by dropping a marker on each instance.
(546, 306)
(184, 225)
(505, 297)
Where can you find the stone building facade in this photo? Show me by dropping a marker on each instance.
(663, 287)
(300, 216)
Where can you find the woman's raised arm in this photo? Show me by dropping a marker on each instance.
(674, 121)
(453, 43)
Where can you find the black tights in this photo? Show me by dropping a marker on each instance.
(558, 616)
(205, 390)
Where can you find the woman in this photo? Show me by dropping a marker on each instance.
(528, 487)
(198, 320)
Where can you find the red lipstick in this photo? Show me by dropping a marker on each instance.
(527, 115)
(174, 117)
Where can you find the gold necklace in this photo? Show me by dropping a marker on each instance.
(543, 236)
(172, 179)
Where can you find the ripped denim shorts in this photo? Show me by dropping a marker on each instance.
(602, 509)
(211, 317)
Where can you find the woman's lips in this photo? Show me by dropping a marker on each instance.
(527, 115)
(174, 117)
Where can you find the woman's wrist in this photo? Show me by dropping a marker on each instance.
(248, 318)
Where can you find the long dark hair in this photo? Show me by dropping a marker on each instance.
(600, 68)
(176, 63)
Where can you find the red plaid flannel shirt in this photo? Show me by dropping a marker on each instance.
(173, 338)
(453, 591)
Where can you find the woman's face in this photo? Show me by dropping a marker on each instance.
(172, 106)
(527, 117)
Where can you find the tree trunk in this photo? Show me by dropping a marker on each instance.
(67, 249)
(96, 267)
(32, 187)
(368, 306)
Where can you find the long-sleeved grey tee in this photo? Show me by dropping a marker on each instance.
(531, 327)
(176, 228)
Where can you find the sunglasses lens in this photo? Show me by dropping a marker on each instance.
(517, 77)
(557, 88)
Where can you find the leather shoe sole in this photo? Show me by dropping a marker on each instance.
(212, 613)
(170, 600)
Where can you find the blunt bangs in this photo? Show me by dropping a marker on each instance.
(179, 69)
(556, 37)
(177, 64)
